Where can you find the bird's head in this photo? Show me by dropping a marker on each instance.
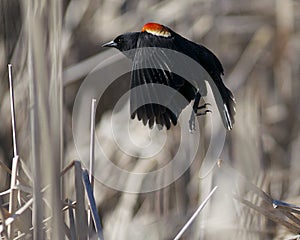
(128, 41)
(124, 42)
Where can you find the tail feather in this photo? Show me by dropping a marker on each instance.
(226, 105)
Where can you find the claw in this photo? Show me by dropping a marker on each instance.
(204, 106)
(203, 113)
(195, 113)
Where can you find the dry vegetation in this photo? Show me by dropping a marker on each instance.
(53, 45)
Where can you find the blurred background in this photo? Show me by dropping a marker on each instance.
(258, 43)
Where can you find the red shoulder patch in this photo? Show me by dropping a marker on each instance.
(156, 29)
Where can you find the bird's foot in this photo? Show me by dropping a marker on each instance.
(203, 113)
(198, 113)
(204, 106)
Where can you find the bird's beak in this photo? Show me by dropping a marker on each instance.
(110, 44)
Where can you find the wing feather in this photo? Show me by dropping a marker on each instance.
(152, 66)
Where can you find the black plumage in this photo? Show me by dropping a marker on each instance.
(153, 66)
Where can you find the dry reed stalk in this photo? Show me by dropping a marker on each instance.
(2, 217)
(81, 215)
(13, 197)
(45, 114)
(73, 235)
(92, 155)
(56, 116)
(196, 213)
(92, 142)
(92, 204)
(12, 108)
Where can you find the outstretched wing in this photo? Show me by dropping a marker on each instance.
(158, 95)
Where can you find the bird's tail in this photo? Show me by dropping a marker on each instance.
(226, 104)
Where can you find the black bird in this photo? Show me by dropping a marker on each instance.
(158, 70)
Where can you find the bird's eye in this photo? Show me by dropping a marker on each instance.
(119, 40)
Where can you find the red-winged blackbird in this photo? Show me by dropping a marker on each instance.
(154, 35)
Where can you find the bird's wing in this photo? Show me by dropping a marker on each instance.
(150, 100)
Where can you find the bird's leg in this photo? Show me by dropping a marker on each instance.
(192, 122)
(196, 107)
(202, 107)
(196, 102)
